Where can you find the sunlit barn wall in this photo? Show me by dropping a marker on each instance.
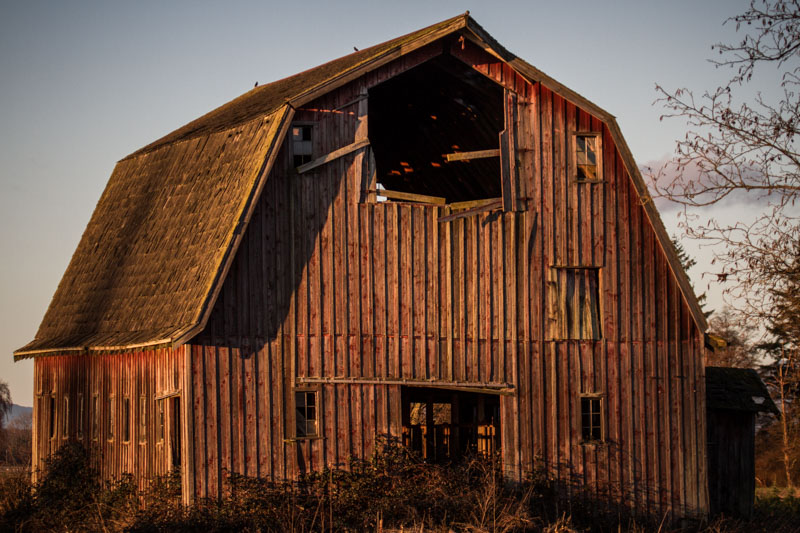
(329, 288)
(89, 392)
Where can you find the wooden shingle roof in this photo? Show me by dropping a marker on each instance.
(157, 248)
(737, 389)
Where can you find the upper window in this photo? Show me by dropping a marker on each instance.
(588, 164)
(306, 413)
(302, 146)
(576, 295)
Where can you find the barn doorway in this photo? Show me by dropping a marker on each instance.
(445, 425)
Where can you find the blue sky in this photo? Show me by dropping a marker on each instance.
(82, 84)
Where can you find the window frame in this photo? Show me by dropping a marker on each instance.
(125, 436)
(65, 417)
(590, 398)
(306, 435)
(314, 149)
(161, 421)
(79, 430)
(574, 156)
(111, 429)
(562, 302)
(53, 430)
(96, 417)
(142, 419)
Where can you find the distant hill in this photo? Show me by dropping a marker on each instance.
(17, 410)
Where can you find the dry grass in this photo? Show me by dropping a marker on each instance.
(393, 492)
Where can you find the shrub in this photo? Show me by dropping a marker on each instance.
(393, 490)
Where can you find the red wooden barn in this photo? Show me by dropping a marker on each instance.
(428, 238)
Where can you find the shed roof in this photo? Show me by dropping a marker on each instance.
(164, 232)
(737, 389)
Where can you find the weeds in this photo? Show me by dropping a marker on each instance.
(392, 491)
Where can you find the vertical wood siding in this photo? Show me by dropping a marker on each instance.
(110, 378)
(327, 287)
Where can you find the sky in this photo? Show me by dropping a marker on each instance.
(83, 84)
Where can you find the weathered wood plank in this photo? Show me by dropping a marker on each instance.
(468, 156)
(332, 156)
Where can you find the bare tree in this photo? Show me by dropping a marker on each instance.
(744, 147)
(5, 408)
(5, 402)
(784, 348)
(19, 440)
(739, 351)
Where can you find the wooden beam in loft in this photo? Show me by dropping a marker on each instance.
(470, 204)
(336, 154)
(467, 156)
(496, 203)
(411, 197)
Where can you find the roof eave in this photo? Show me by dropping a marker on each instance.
(150, 345)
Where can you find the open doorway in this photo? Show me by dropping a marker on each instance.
(444, 425)
(174, 440)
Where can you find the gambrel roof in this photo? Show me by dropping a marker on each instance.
(157, 249)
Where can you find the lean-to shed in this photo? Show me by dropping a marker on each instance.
(734, 396)
(428, 238)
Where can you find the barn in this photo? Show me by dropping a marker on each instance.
(428, 239)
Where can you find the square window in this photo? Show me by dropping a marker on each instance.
(306, 413)
(591, 418)
(588, 165)
(302, 146)
(575, 301)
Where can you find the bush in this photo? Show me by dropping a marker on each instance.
(69, 496)
(392, 491)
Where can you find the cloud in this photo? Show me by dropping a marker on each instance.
(663, 172)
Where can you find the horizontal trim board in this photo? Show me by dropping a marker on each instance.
(496, 388)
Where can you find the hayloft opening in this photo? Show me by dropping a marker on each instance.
(419, 117)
